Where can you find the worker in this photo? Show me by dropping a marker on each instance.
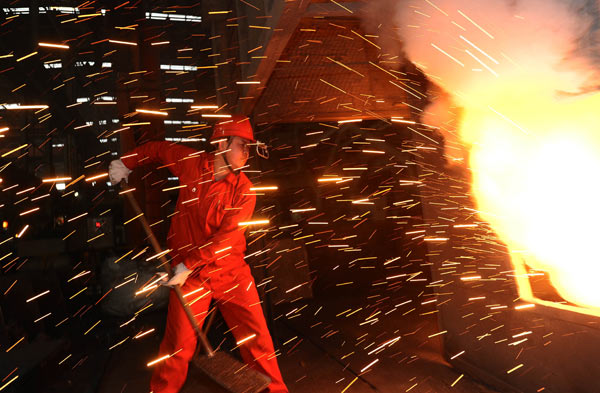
(207, 246)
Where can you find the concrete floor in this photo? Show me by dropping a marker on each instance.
(323, 351)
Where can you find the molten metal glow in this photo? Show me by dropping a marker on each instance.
(533, 158)
(529, 124)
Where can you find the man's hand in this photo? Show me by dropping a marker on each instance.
(180, 274)
(117, 171)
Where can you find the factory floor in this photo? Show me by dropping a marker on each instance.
(324, 347)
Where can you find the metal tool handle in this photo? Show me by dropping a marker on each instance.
(188, 311)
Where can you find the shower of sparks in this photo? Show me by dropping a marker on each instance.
(56, 179)
(142, 334)
(475, 24)
(216, 116)
(243, 340)
(447, 54)
(363, 211)
(255, 222)
(19, 106)
(152, 112)
(123, 42)
(49, 45)
(160, 359)
(204, 107)
(264, 188)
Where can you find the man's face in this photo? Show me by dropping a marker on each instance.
(238, 153)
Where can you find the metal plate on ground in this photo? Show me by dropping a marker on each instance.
(229, 373)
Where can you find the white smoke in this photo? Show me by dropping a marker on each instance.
(530, 36)
(465, 46)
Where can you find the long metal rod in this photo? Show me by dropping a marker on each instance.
(188, 311)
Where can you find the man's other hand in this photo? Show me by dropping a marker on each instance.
(180, 274)
(117, 171)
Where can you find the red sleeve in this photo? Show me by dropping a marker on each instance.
(229, 239)
(166, 153)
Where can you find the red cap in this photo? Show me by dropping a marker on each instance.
(237, 125)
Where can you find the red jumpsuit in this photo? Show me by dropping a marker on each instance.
(206, 237)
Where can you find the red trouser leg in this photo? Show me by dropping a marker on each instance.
(240, 306)
(169, 375)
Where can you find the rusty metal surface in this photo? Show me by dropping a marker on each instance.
(331, 71)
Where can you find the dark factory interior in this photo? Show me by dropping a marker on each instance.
(381, 263)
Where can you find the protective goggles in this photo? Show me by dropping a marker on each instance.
(261, 149)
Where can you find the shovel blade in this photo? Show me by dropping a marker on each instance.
(227, 372)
